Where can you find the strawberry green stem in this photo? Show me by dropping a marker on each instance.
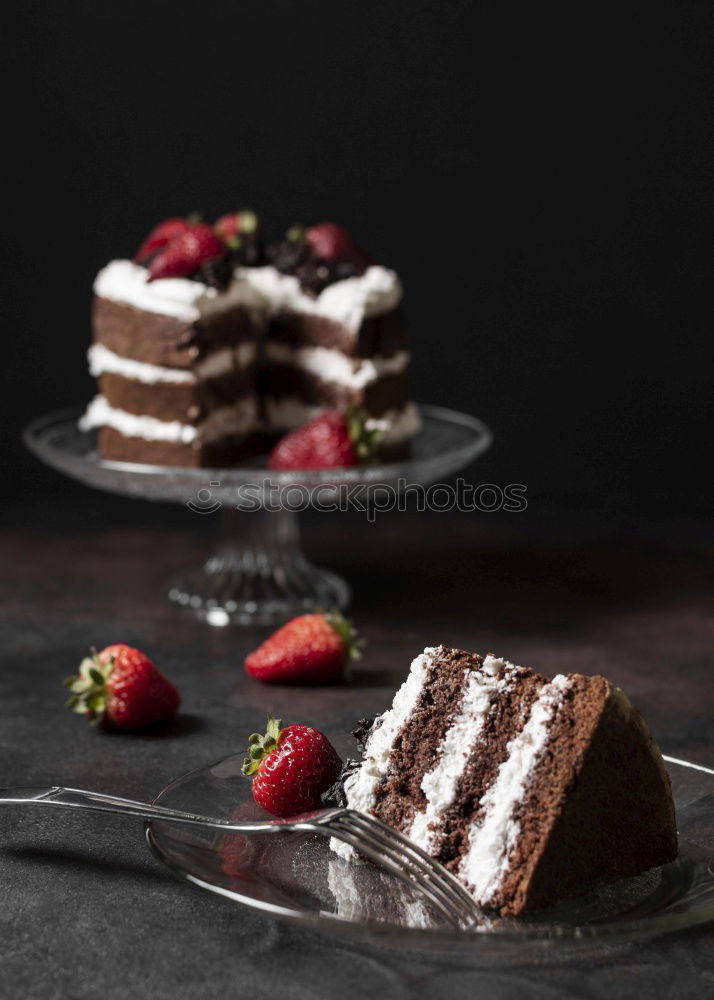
(259, 746)
(354, 643)
(90, 691)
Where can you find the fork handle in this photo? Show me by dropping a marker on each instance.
(79, 798)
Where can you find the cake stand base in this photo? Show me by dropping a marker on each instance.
(258, 576)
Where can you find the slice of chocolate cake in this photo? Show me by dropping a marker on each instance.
(528, 790)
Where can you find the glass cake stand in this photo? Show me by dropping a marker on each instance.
(259, 575)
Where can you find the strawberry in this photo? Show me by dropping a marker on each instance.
(159, 236)
(332, 242)
(332, 440)
(311, 649)
(120, 688)
(229, 227)
(186, 252)
(290, 768)
(329, 241)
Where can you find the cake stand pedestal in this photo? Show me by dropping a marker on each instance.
(259, 574)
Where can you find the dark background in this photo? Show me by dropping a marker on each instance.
(537, 174)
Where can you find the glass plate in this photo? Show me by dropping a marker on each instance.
(297, 878)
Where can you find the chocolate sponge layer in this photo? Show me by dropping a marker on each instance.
(185, 402)
(599, 805)
(164, 340)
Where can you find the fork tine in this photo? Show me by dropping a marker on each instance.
(417, 867)
(424, 861)
(384, 860)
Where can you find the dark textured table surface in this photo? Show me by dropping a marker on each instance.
(88, 912)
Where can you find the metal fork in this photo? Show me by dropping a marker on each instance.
(367, 835)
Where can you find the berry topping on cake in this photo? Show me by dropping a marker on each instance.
(311, 649)
(319, 256)
(120, 688)
(160, 236)
(186, 252)
(236, 224)
(332, 440)
(290, 768)
(241, 232)
(329, 241)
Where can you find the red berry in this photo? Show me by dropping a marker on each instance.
(332, 440)
(230, 226)
(120, 688)
(291, 768)
(186, 252)
(159, 236)
(329, 241)
(332, 242)
(323, 443)
(311, 649)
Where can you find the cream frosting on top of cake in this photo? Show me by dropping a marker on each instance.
(263, 289)
(373, 293)
(184, 299)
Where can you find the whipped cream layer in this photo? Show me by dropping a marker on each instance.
(103, 361)
(235, 419)
(126, 282)
(396, 425)
(486, 859)
(260, 289)
(288, 412)
(486, 862)
(348, 302)
(441, 783)
(361, 787)
(333, 366)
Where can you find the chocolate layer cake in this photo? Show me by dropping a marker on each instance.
(206, 367)
(175, 362)
(528, 790)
